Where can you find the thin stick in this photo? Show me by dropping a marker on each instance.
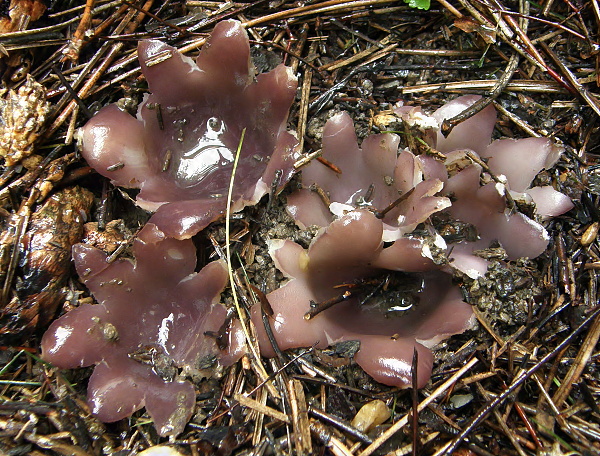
(404, 420)
(74, 47)
(516, 86)
(260, 368)
(236, 301)
(577, 88)
(381, 214)
(323, 7)
(479, 105)
(415, 404)
(261, 408)
(72, 92)
(580, 363)
(517, 382)
(318, 307)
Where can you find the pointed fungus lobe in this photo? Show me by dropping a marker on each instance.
(481, 199)
(179, 150)
(483, 202)
(151, 319)
(154, 312)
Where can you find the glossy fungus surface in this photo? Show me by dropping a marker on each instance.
(155, 319)
(468, 181)
(372, 176)
(487, 179)
(180, 149)
(407, 312)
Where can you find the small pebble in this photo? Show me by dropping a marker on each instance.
(590, 234)
(370, 415)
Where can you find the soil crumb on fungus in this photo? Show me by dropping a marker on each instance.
(180, 149)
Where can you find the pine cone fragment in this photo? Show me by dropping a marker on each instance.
(22, 116)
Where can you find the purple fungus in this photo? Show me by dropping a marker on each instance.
(381, 196)
(179, 150)
(156, 322)
(348, 252)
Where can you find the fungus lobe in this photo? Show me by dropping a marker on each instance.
(424, 308)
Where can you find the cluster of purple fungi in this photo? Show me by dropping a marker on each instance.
(372, 209)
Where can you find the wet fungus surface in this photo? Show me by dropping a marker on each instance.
(372, 176)
(378, 271)
(348, 264)
(368, 213)
(490, 186)
(180, 149)
(155, 318)
(150, 327)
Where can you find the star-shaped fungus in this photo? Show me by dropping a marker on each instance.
(373, 176)
(156, 320)
(393, 300)
(181, 148)
(379, 193)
